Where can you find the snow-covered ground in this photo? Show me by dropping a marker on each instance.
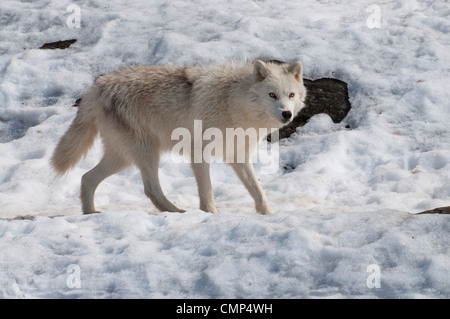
(344, 199)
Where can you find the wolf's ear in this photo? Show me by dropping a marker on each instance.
(297, 70)
(260, 70)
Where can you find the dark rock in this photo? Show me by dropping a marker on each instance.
(77, 102)
(439, 210)
(58, 44)
(326, 95)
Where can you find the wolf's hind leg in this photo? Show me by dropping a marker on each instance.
(149, 165)
(109, 165)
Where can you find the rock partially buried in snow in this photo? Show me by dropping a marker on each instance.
(326, 95)
(58, 44)
(439, 210)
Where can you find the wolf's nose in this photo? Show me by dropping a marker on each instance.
(286, 115)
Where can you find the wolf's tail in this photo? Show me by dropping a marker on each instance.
(75, 143)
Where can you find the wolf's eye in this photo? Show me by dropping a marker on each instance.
(291, 95)
(273, 95)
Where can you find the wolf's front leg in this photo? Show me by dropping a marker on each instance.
(201, 172)
(246, 174)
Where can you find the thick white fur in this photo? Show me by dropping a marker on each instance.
(135, 110)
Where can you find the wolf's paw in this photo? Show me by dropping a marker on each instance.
(91, 212)
(267, 210)
(209, 208)
(176, 210)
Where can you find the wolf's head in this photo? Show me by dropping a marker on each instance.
(278, 90)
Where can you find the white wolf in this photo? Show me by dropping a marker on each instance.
(136, 109)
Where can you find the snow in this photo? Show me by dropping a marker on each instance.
(345, 195)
